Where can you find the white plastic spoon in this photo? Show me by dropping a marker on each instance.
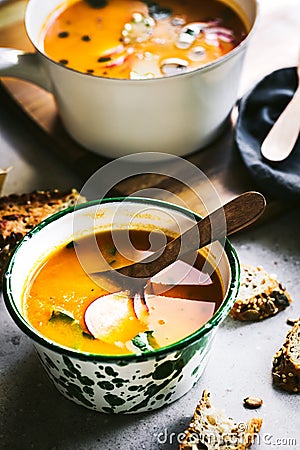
(282, 137)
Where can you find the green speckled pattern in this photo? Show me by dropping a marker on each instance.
(108, 383)
(136, 387)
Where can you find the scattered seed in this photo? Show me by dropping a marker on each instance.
(211, 420)
(291, 322)
(252, 402)
(86, 38)
(63, 61)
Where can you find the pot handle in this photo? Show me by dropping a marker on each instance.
(27, 66)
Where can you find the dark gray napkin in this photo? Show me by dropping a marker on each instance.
(258, 110)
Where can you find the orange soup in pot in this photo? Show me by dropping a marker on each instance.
(68, 307)
(135, 39)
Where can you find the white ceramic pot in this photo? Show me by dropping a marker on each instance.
(126, 383)
(177, 114)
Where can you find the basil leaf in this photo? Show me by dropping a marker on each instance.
(61, 315)
(145, 341)
(68, 319)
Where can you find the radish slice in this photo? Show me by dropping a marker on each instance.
(140, 307)
(113, 59)
(223, 33)
(112, 318)
(174, 66)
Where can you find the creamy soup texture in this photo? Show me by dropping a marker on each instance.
(65, 305)
(134, 39)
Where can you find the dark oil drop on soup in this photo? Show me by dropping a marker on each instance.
(181, 298)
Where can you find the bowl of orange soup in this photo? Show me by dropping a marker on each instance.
(135, 75)
(118, 352)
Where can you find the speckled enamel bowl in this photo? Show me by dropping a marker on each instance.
(134, 382)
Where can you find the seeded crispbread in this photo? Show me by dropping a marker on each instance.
(211, 429)
(286, 362)
(260, 295)
(19, 213)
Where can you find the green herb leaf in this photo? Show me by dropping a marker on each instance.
(145, 341)
(87, 335)
(61, 315)
(113, 251)
(190, 32)
(71, 244)
(67, 318)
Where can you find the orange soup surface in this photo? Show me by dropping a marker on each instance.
(135, 39)
(65, 305)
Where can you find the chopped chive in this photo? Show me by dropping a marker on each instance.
(190, 32)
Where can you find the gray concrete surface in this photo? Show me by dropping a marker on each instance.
(34, 416)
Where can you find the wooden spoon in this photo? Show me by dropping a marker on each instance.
(239, 213)
(104, 322)
(282, 137)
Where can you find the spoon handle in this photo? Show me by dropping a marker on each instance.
(224, 221)
(283, 135)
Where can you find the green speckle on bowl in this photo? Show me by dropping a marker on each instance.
(111, 372)
(164, 370)
(114, 400)
(106, 385)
